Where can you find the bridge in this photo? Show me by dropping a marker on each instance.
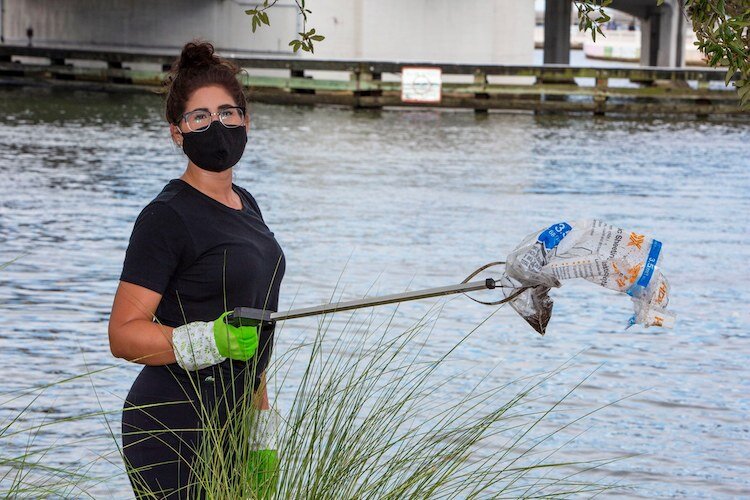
(480, 32)
(662, 30)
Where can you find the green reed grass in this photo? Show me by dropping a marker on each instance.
(367, 420)
(371, 416)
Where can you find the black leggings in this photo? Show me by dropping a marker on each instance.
(160, 441)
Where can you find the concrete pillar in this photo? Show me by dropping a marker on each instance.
(649, 40)
(557, 32)
(662, 42)
(679, 37)
(2, 21)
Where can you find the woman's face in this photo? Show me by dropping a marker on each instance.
(210, 97)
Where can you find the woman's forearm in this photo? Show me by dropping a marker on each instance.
(261, 395)
(142, 341)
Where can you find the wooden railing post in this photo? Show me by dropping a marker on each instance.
(600, 95)
(60, 61)
(300, 73)
(364, 76)
(702, 102)
(117, 65)
(480, 79)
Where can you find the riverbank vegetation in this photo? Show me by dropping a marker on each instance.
(367, 412)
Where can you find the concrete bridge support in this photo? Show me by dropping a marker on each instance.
(662, 27)
(557, 31)
(662, 35)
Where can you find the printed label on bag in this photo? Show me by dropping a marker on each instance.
(551, 236)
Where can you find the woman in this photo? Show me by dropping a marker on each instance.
(198, 250)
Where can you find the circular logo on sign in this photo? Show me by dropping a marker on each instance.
(422, 84)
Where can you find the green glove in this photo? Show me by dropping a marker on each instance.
(263, 471)
(263, 464)
(235, 342)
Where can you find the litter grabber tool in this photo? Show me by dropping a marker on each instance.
(246, 315)
(622, 261)
(601, 253)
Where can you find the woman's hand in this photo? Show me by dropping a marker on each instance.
(235, 342)
(200, 344)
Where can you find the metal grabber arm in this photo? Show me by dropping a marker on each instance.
(248, 315)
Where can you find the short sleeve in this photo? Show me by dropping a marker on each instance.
(158, 242)
(252, 201)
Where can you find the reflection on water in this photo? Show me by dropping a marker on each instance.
(406, 199)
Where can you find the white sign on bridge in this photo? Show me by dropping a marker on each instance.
(420, 84)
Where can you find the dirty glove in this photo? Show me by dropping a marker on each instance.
(204, 343)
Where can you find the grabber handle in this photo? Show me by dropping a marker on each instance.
(245, 314)
(250, 316)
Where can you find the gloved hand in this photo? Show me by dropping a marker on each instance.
(235, 342)
(200, 344)
(263, 463)
(263, 471)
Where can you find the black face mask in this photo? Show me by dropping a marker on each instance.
(217, 148)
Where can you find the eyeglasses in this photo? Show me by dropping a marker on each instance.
(200, 119)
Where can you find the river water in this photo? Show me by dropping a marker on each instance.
(402, 200)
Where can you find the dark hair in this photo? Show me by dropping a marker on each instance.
(198, 67)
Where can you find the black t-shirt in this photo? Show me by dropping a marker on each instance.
(205, 258)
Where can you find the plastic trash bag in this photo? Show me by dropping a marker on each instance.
(593, 250)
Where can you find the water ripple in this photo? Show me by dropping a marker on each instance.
(412, 199)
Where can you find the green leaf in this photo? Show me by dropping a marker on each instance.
(250, 11)
(264, 18)
(318, 38)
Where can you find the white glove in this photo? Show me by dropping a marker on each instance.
(194, 345)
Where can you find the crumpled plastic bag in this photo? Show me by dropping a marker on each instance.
(593, 250)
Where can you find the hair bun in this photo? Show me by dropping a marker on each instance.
(199, 66)
(196, 54)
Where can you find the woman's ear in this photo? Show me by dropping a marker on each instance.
(176, 134)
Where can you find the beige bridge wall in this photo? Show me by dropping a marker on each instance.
(470, 31)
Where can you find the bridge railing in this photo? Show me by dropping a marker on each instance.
(376, 84)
